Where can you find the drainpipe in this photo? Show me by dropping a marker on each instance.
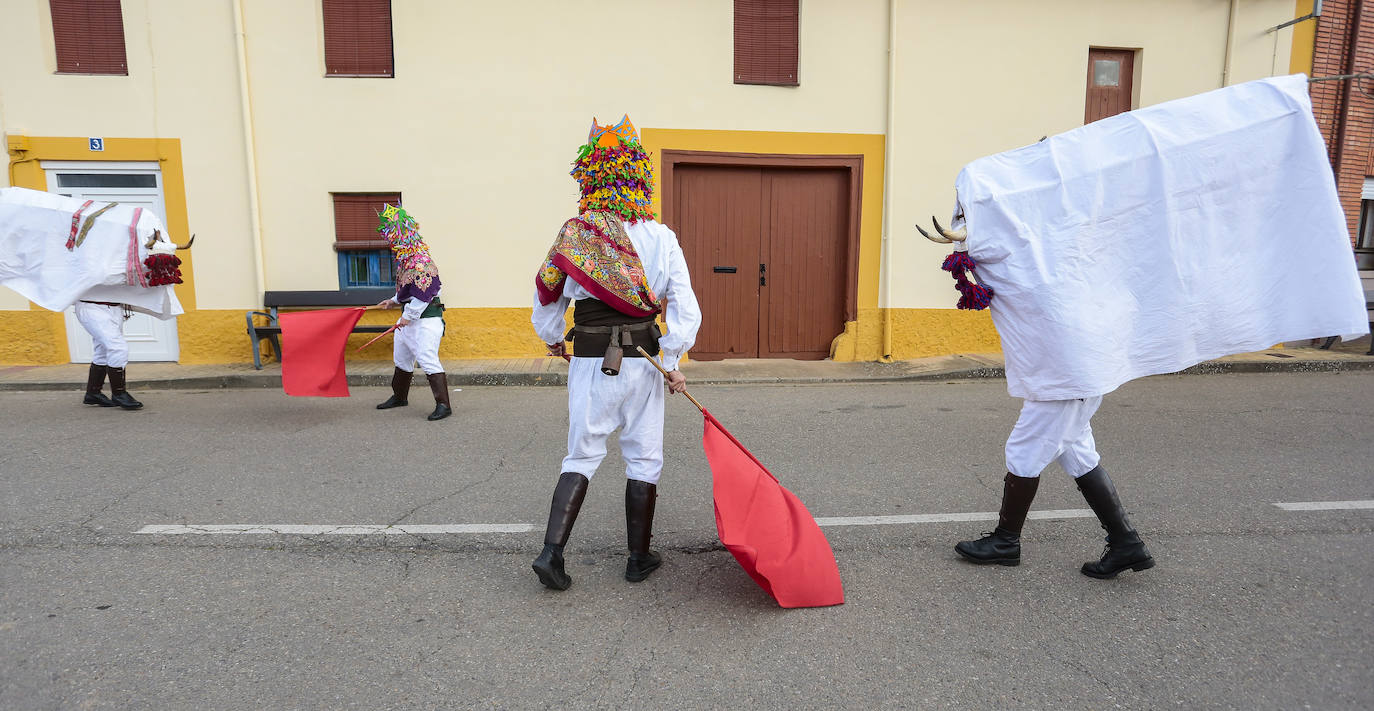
(885, 279)
(249, 150)
(1231, 16)
(18, 149)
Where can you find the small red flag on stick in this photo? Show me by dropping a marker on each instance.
(312, 351)
(765, 526)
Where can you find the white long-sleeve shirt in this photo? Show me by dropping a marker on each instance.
(666, 270)
(411, 310)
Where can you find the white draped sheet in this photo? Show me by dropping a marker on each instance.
(1153, 240)
(34, 259)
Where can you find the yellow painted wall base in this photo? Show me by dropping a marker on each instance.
(921, 333)
(220, 336)
(916, 333)
(32, 338)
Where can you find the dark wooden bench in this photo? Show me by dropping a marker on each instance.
(276, 300)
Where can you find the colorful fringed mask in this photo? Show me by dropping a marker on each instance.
(615, 173)
(416, 273)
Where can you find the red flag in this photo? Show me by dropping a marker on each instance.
(767, 528)
(312, 351)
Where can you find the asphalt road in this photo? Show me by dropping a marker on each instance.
(1250, 606)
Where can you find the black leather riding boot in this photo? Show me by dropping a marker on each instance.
(118, 394)
(400, 390)
(95, 380)
(1124, 548)
(1003, 544)
(438, 384)
(567, 501)
(639, 523)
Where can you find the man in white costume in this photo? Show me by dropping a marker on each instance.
(421, 325)
(626, 269)
(104, 321)
(1142, 244)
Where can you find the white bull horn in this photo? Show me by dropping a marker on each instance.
(153, 239)
(188, 243)
(958, 235)
(936, 240)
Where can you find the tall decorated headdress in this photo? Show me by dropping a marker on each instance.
(416, 274)
(615, 173)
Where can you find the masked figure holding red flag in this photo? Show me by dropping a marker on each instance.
(626, 268)
(421, 325)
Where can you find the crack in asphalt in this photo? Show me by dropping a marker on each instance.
(495, 470)
(122, 496)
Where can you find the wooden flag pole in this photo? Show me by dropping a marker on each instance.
(378, 338)
(653, 360)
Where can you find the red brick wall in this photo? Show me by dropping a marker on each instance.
(1344, 105)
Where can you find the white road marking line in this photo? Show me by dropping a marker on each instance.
(381, 529)
(944, 518)
(1324, 505)
(337, 530)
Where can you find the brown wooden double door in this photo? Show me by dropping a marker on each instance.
(767, 249)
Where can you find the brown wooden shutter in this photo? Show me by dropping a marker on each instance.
(355, 219)
(766, 42)
(89, 36)
(357, 38)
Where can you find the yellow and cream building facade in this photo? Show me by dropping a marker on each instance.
(244, 134)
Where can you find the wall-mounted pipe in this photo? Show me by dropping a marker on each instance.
(885, 260)
(250, 150)
(1232, 14)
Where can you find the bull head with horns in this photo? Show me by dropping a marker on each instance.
(974, 294)
(946, 236)
(163, 265)
(158, 233)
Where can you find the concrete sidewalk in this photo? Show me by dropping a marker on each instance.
(1294, 357)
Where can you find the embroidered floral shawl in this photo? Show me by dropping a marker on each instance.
(594, 249)
(416, 279)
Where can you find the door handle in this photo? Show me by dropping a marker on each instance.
(724, 270)
(763, 275)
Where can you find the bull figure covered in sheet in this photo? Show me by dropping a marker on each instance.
(56, 251)
(1140, 244)
(105, 258)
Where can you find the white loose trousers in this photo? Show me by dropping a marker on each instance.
(418, 341)
(1053, 431)
(599, 404)
(632, 400)
(106, 325)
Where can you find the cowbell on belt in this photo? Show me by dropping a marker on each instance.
(621, 339)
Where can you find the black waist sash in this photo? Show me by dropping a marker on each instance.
(600, 331)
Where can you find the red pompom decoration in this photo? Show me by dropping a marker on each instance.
(162, 269)
(972, 295)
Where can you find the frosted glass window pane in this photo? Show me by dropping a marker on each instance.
(106, 180)
(1106, 72)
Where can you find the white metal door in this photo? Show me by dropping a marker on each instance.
(138, 185)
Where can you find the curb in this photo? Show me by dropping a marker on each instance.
(273, 382)
(1278, 364)
(1213, 367)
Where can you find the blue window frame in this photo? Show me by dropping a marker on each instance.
(366, 267)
